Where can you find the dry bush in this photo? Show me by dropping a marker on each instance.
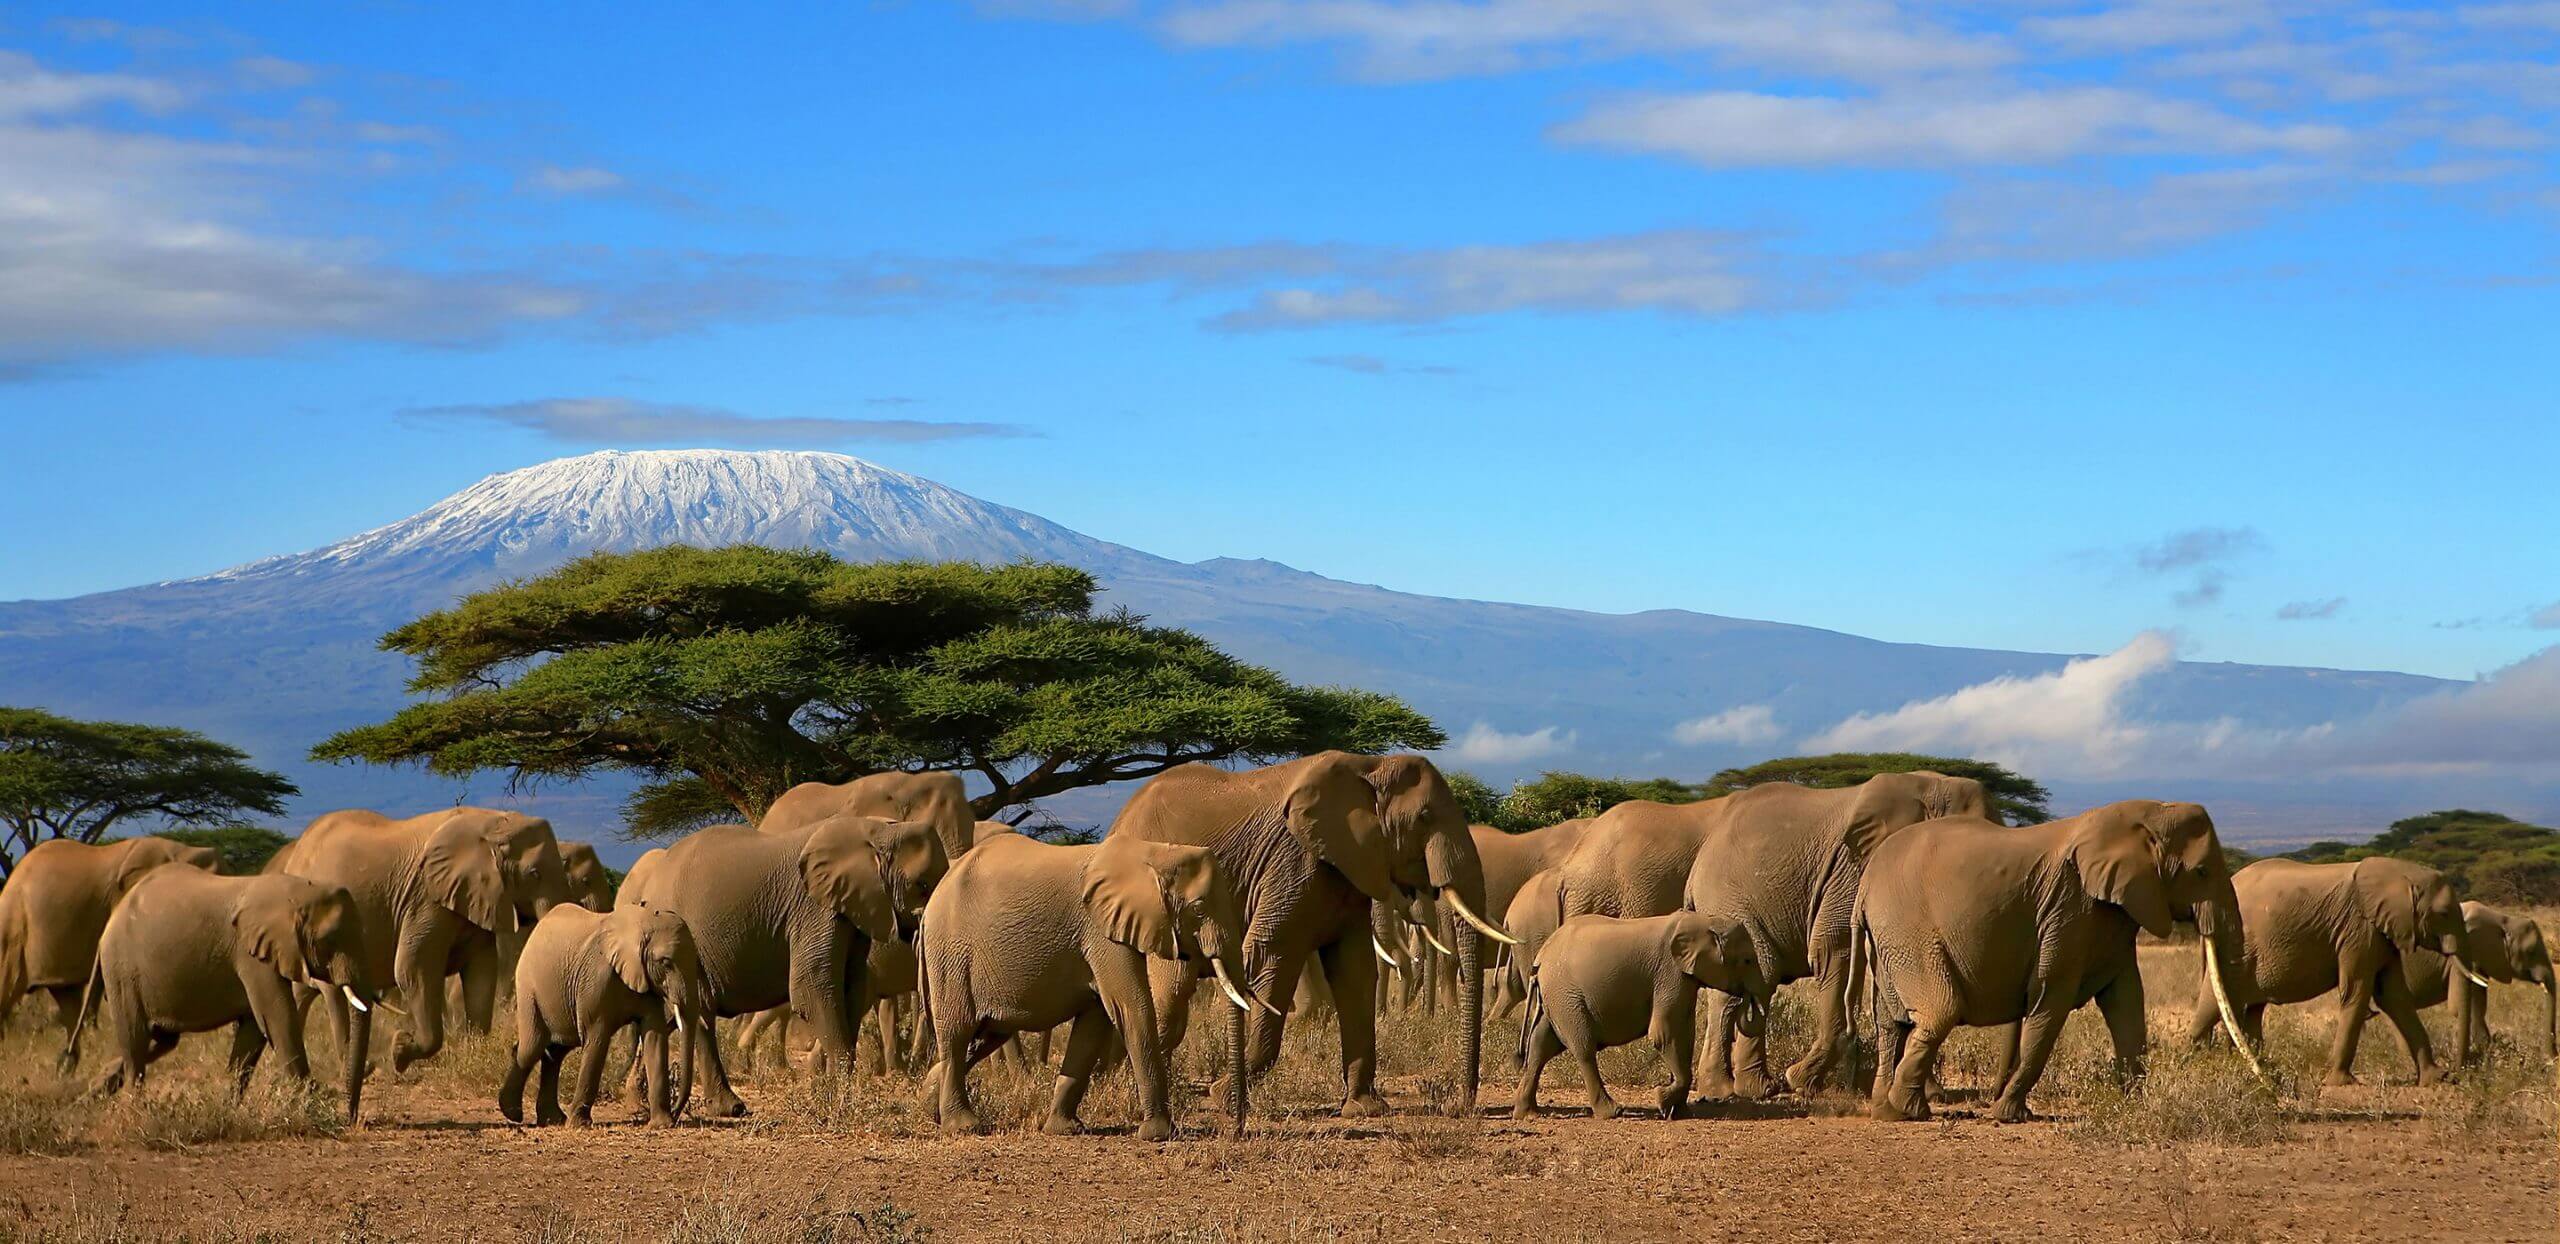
(2185, 1095)
(197, 1111)
(42, 1116)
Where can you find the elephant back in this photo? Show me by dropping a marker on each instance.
(938, 799)
(1634, 859)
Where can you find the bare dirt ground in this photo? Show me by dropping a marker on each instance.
(2199, 1155)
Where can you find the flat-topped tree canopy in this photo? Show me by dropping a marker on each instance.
(726, 676)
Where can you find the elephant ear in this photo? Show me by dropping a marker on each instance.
(274, 926)
(844, 866)
(2118, 859)
(626, 948)
(1135, 888)
(461, 872)
(1706, 948)
(1884, 804)
(2390, 898)
(1332, 811)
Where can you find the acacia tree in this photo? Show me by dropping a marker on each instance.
(61, 778)
(723, 677)
(2015, 798)
(1558, 795)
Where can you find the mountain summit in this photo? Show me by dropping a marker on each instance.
(279, 653)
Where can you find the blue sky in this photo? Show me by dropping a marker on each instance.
(2013, 324)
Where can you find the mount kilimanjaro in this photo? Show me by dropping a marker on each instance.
(279, 653)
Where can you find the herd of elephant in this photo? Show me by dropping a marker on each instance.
(1292, 881)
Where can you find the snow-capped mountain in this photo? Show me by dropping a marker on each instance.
(278, 653)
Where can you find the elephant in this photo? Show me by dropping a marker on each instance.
(190, 951)
(55, 906)
(1026, 935)
(937, 799)
(1969, 922)
(583, 977)
(590, 885)
(1510, 860)
(1532, 917)
(2349, 927)
(890, 975)
(2505, 947)
(436, 893)
(1310, 844)
(1784, 862)
(788, 917)
(1601, 982)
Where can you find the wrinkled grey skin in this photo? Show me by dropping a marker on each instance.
(2348, 928)
(1602, 982)
(55, 906)
(2506, 948)
(190, 951)
(582, 978)
(590, 886)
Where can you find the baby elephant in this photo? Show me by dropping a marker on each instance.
(189, 951)
(582, 976)
(1601, 982)
(1024, 936)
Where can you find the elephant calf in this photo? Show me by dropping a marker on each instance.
(1602, 982)
(1023, 936)
(189, 951)
(582, 977)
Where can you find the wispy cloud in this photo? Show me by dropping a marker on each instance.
(1372, 365)
(582, 179)
(2070, 720)
(1484, 745)
(2311, 610)
(1748, 723)
(2546, 618)
(626, 421)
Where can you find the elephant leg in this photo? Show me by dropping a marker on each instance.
(2004, 1068)
(885, 1018)
(279, 1023)
(2253, 1017)
(1538, 1045)
(1349, 967)
(1830, 1024)
(582, 1100)
(2128, 1030)
(246, 1044)
(1087, 1037)
(2402, 1010)
(2355, 997)
(2204, 1017)
(1716, 1078)
(480, 972)
(520, 1065)
(419, 972)
(1586, 1056)
(653, 1047)
(66, 1008)
(333, 1004)
(2036, 1035)
(1750, 1060)
(1675, 1043)
(1903, 1094)
(1120, 976)
(951, 1103)
(635, 1089)
(751, 1038)
(546, 1106)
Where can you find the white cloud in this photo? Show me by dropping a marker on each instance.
(585, 179)
(1484, 745)
(1749, 723)
(624, 421)
(1743, 128)
(2069, 722)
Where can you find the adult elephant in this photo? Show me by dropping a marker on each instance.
(2506, 948)
(936, 799)
(1783, 862)
(1976, 924)
(189, 951)
(2348, 928)
(435, 893)
(1310, 844)
(590, 885)
(1510, 860)
(789, 917)
(55, 906)
(1533, 917)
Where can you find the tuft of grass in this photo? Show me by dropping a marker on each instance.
(2504, 1097)
(197, 1112)
(727, 1219)
(42, 1117)
(2187, 1095)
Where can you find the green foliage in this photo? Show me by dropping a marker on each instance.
(2017, 799)
(727, 676)
(2486, 855)
(244, 848)
(61, 778)
(1559, 796)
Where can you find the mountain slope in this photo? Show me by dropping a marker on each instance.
(279, 653)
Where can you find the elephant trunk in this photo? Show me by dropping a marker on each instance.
(2218, 932)
(1235, 1067)
(2550, 1014)
(1470, 1013)
(359, 1054)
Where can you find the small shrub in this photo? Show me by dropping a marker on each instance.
(2187, 1095)
(42, 1117)
(199, 1112)
(2503, 1098)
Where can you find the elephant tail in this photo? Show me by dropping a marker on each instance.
(1530, 1017)
(90, 995)
(1861, 966)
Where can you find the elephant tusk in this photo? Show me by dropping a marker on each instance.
(1219, 967)
(1436, 943)
(1265, 1004)
(354, 1001)
(2476, 978)
(1388, 959)
(2230, 1017)
(1468, 914)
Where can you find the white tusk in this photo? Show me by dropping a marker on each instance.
(1390, 960)
(2475, 976)
(680, 1015)
(1220, 968)
(1468, 914)
(354, 1001)
(2230, 1017)
(1265, 1004)
(1436, 943)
